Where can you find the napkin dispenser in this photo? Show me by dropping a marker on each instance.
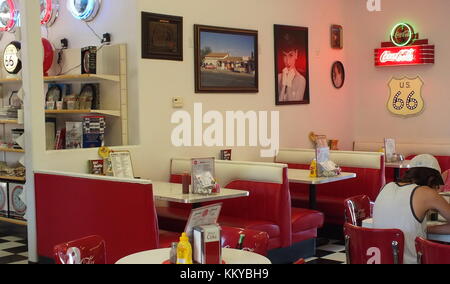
(207, 244)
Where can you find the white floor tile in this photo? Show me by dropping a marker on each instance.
(20, 262)
(12, 239)
(336, 257)
(25, 254)
(10, 245)
(333, 248)
(4, 253)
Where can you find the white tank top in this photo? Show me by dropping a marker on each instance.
(393, 210)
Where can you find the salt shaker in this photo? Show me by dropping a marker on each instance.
(173, 253)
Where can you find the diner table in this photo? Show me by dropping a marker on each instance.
(303, 177)
(397, 166)
(161, 256)
(173, 192)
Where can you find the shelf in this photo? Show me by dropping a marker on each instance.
(12, 150)
(69, 78)
(82, 78)
(12, 178)
(85, 111)
(13, 221)
(9, 122)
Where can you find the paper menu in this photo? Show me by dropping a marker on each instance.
(390, 149)
(121, 164)
(207, 215)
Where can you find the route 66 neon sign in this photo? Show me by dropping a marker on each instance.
(406, 96)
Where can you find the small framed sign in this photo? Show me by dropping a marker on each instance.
(337, 35)
(162, 37)
(121, 164)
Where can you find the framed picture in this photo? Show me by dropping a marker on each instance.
(162, 37)
(291, 65)
(337, 37)
(338, 74)
(226, 60)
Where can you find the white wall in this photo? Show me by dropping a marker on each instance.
(329, 112)
(374, 122)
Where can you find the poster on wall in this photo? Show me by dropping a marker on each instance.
(406, 96)
(291, 65)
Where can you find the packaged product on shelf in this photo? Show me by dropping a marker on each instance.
(94, 131)
(17, 204)
(3, 199)
(89, 96)
(96, 167)
(16, 134)
(60, 140)
(74, 135)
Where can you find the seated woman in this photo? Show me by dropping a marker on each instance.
(404, 205)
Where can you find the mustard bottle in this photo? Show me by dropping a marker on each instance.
(184, 250)
(313, 169)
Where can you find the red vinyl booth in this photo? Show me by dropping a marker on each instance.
(431, 252)
(71, 206)
(370, 178)
(89, 250)
(267, 208)
(373, 246)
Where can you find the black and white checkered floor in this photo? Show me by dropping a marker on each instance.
(13, 244)
(331, 253)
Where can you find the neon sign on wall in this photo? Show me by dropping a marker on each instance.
(8, 15)
(404, 49)
(84, 10)
(49, 11)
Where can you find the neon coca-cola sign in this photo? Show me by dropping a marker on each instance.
(404, 55)
(405, 48)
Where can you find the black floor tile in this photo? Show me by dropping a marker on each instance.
(12, 258)
(17, 250)
(324, 261)
(322, 253)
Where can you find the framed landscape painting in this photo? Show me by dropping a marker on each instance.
(226, 60)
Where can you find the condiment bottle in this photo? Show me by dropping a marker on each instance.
(184, 250)
(240, 244)
(173, 253)
(313, 169)
(185, 180)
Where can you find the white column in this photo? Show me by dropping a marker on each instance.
(33, 85)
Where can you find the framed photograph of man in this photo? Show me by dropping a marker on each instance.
(162, 37)
(337, 37)
(226, 60)
(291, 65)
(338, 74)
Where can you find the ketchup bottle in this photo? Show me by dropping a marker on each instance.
(185, 180)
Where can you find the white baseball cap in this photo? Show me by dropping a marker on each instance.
(426, 161)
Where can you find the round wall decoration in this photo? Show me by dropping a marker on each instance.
(48, 55)
(402, 34)
(18, 205)
(11, 60)
(8, 15)
(84, 10)
(338, 74)
(49, 12)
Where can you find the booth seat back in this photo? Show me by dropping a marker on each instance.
(406, 149)
(72, 206)
(269, 198)
(369, 168)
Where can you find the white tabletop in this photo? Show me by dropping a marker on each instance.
(172, 192)
(302, 176)
(230, 256)
(399, 165)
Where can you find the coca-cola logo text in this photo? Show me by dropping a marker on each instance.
(404, 55)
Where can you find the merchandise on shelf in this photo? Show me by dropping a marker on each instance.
(3, 199)
(94, 131)
(74, 135)
(17, 206)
